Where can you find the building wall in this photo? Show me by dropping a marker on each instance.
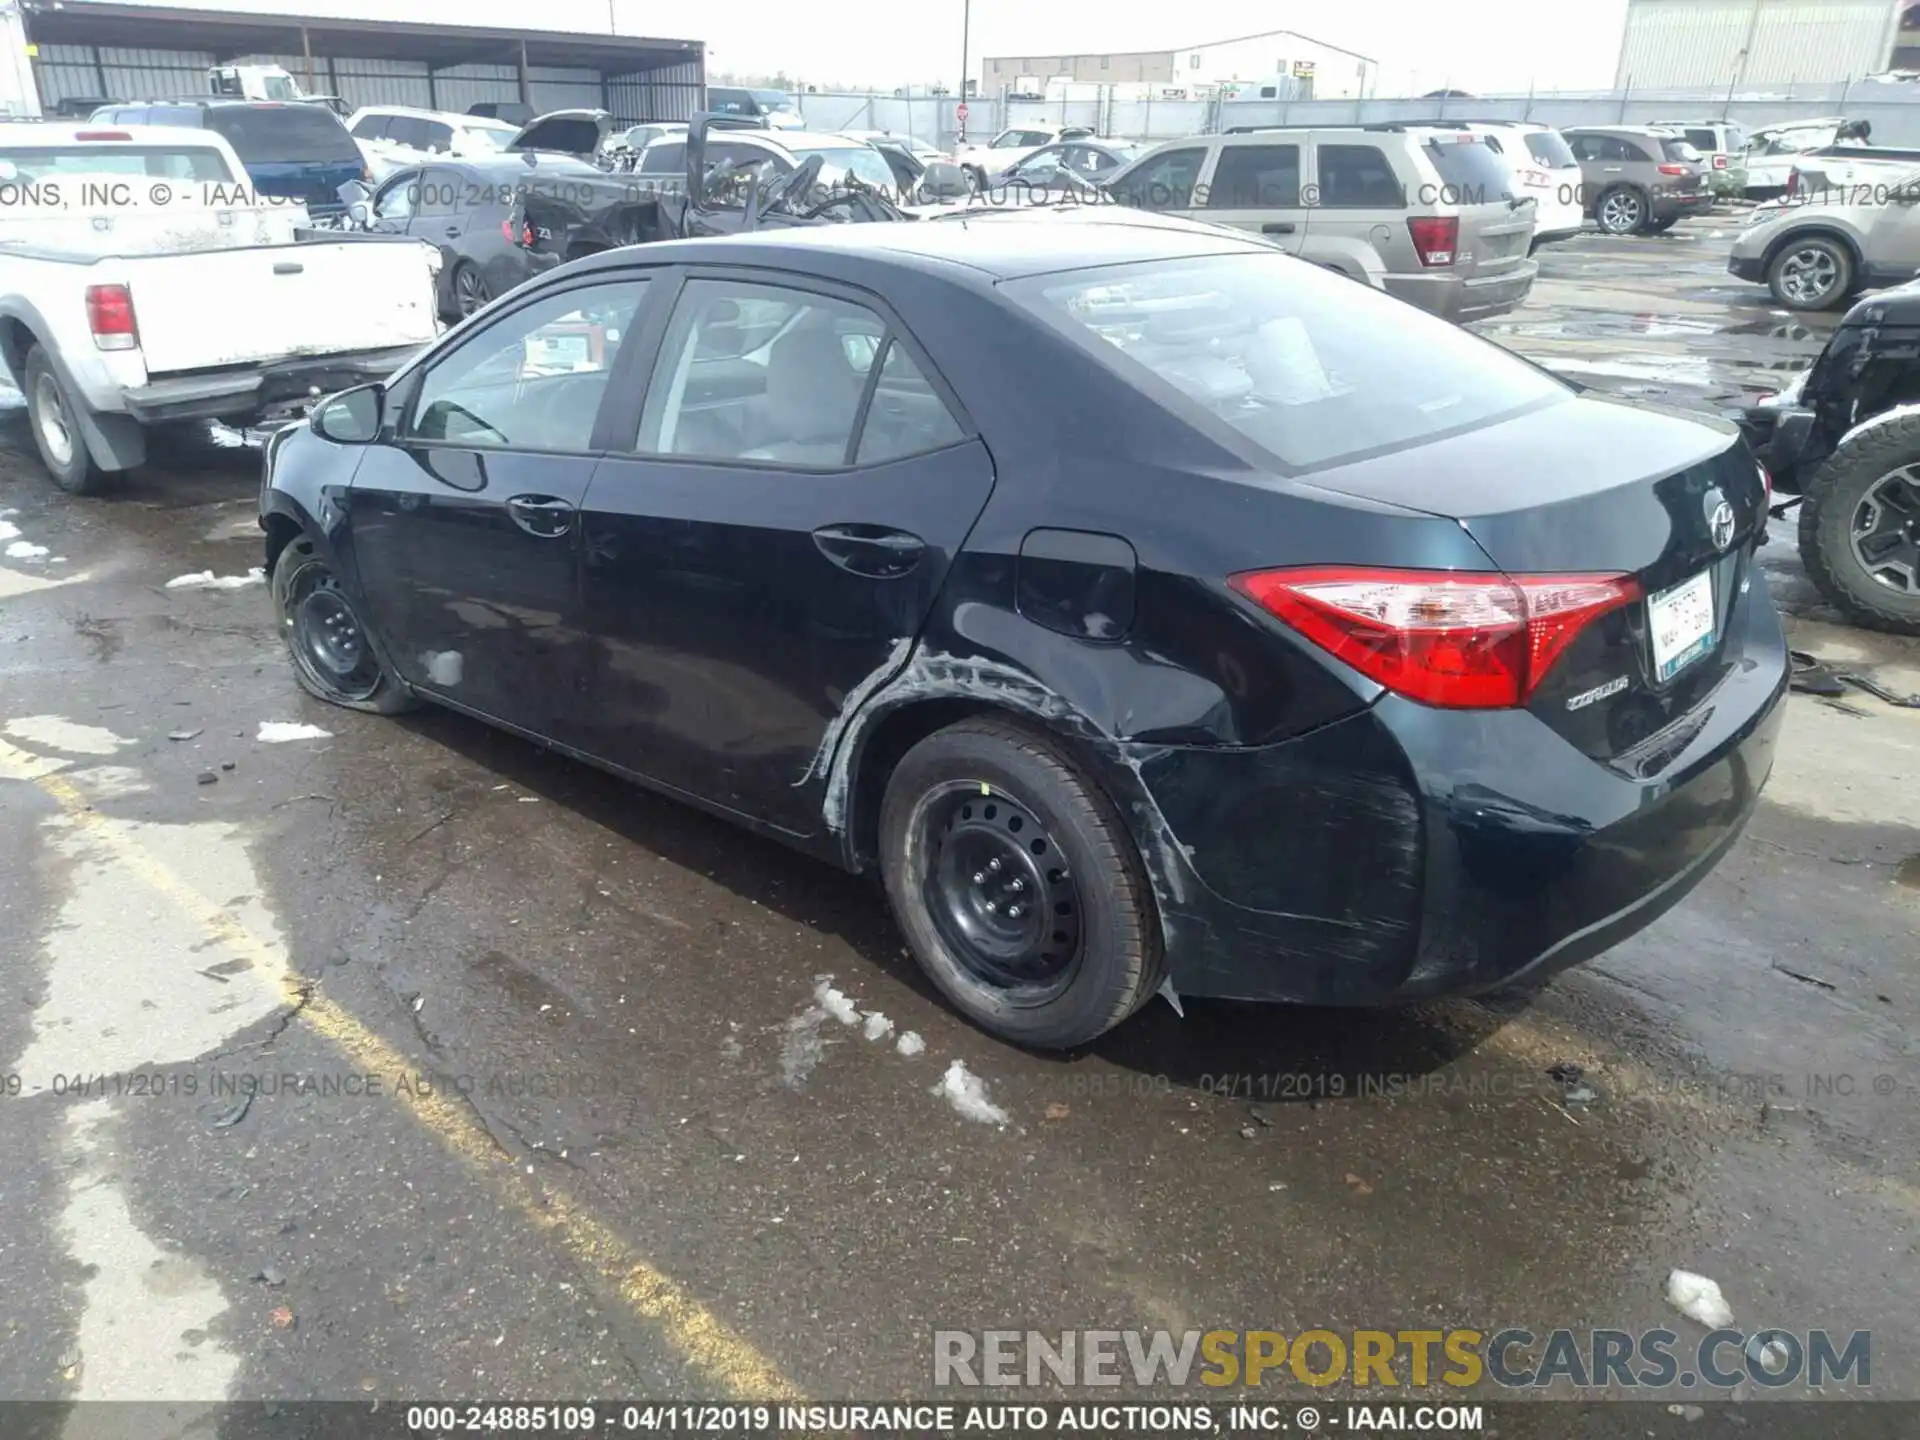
(1002, 73)
(1334, 73)
(1700, 42)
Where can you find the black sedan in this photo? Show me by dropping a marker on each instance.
(1154, 613)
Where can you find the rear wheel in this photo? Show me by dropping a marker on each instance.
(469, 289)
(55, 418)
(333, 659)
(1621, 211)
(1018, 886)
(1860, 528)
(1814, 273)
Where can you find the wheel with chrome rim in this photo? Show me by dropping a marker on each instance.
(1860, 526)
(1811, 273)
(469, 289)
(54, 418)
(333, 657)
(1621, 211)
(1018, 887)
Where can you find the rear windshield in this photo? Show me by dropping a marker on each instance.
(300, 134)
(1471, 171)
(194, 163)
(1679, 150)
(1549, 149)
(1309, 366)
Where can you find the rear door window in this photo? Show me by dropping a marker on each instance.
(1255, 177)
(1358, 177)
(1310, 367)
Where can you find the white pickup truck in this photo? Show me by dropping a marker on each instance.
(142, 282)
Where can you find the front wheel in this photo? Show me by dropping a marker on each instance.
(1811, 274)
(333, 658)
(1018, 886)
(1621, 211)
(1860, 528)
(54, 415)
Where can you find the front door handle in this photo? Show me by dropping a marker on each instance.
(871, 550)
(1277, 227)
(541, 515)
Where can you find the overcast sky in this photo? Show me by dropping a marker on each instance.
(1479, 45)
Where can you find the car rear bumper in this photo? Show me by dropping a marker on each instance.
(1461, 297)
(1672, 202)
(1407, 852)
(255, 390)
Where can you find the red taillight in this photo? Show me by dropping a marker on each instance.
(1458, 640)
(1435, 237)
(110, 317)
(1719, 162)
(102, 135)
(1674, 170)
(1793, 183)
(517, 232)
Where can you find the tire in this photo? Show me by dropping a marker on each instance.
(1858, 475)
(1814, 272)
(989, 796)
(312, 608)
(53, 415)
(1621, 211)
(467, 289)
(1660, 227)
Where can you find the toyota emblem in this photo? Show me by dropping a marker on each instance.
(1721, 521)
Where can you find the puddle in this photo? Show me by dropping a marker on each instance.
(1909, 872)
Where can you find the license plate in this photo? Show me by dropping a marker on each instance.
(1680, 621)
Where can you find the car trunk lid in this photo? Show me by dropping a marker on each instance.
(570, 132)
(1606, 489)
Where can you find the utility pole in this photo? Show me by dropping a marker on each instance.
(966, 21)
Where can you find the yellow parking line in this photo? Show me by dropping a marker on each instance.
(728, 1363)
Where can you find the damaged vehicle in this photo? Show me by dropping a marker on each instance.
(499, 221)
(1150, 611)
(1842, 443)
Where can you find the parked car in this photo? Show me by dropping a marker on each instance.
(772, 109)
(1772, 151)
(1429, 215)
(122, 312)
(1639, 180)
(1724, 145)
(411, 136)
(665, 160)
(1543, 166)
(512, 111)
(1818, 254)
(1076, 169)
(1347, 658)
(887, 140)
(1011, 146)
(620, 150)
(1848, 173)
(292, 151)
(1843, 440)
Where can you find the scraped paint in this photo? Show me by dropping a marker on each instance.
(967, 1093)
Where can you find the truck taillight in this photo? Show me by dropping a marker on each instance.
(1435, 237)
(1452, 639)
(1719, 162)
(1793, 182)
(110, 317)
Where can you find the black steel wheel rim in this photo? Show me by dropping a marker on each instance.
(1001, 893)
(330, 641)
(1886, 531)
(469, 291)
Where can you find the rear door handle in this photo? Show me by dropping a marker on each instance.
(541, 515)
(1277, 227)
(871, 550)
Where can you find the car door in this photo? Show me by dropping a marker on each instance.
(1360, 208)
(1892, 251)
(1257, 188)
(797, 483)
(1165, 181)
(464, 518)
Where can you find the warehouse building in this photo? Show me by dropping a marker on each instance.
(1757, 44)
(83, 50)
(1282, 59)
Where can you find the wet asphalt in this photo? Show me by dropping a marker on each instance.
(658, 1164)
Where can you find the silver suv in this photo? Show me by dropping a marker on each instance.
(1428, 215)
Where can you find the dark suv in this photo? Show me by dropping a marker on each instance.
(291, 151)
(1639, 179)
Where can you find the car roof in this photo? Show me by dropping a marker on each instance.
(996, 245)
(453, 117)
(517, 162)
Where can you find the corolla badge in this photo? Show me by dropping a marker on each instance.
(1721, 521)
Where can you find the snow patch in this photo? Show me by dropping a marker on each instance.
(207, 580)
(277, 732)
(877, 1026)
(22, 550)
(1698, 1298)
(57, 733)
(967, 1093)
(910, 1043)
(8, 530)
(835, 1004)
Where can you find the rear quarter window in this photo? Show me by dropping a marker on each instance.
(1679, 150)
(1311, 368)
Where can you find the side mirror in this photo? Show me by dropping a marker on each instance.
(945, 181)
(352, 417)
